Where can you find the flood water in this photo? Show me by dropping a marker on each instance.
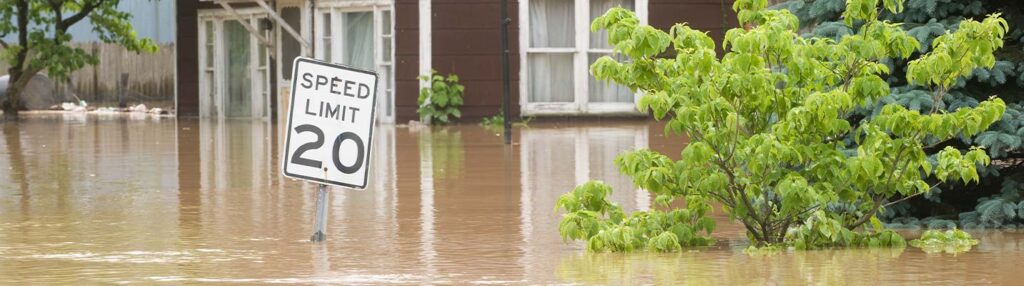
(99, 199)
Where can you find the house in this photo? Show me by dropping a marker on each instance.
(234, 57)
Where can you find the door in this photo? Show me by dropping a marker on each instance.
(234, 81)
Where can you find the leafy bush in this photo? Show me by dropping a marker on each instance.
(820, 230)
(771, 126)
(591, 217)
(951, 241)
(441, 100)
(497, 122)
(927, 21)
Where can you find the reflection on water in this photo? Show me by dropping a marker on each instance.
(115, 199)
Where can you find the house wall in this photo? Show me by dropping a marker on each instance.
(187, 37)
(713, 16)
(466, 42)
(407, 43)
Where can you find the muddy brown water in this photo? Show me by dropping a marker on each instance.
(103, 199)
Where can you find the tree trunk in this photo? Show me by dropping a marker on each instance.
(13, 101)
(17, 81)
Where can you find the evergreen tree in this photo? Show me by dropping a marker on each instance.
(997, 201)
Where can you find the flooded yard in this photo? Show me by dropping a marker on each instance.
(103, 199)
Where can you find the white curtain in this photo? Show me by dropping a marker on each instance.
(551, 73)
(605, 91)
(238, 100)
(359, 40)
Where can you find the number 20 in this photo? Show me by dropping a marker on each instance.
(360, 149)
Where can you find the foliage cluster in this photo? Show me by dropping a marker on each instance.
(774, 136)
(928, 22)
(441, 99)
(950, 241)
(42, 39)
(591, 217)
(498, 121)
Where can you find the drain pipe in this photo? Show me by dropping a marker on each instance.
(505, 21)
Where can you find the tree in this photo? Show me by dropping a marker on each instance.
(41, 27)
(773, 136)
(1001, 181)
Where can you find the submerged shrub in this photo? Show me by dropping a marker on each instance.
(951, 241)
(772, 136)
(441, 100)
(591, 217)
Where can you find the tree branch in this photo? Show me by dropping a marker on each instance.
(86, 9)
(910, 196)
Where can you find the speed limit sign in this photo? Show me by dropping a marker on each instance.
(330, 124)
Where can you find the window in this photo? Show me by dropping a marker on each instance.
(560, 48)
(360, 37)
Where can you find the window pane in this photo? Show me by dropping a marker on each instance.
(388, 94)
(263, 57)
(327, 37)
(290, 47)
(209, 43)
(386, 15)
(552, 24)
(551, 77)
(358, 45)
(387, 49)
(604, 90)
(211, 84)
(599, 39)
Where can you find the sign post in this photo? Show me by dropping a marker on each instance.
(330, 128)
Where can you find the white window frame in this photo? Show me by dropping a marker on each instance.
(258, 71)
(581, 103)
(335, 8)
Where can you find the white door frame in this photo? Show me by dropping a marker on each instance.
(260, 82)
(580, 104)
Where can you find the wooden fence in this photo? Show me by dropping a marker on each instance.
(150, 77)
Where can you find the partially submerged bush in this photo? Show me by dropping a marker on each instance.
(604, 226)
(951, 241)
(771, 134)
(441, 100)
